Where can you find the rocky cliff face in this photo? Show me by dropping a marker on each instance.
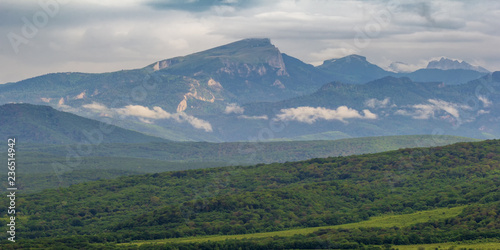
(276, 62)
(254, 56)
(165, 64)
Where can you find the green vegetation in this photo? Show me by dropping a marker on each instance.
(279, 197)
(385, 221)
(330, 135)
(46, 166)
(476, 244)
(249, 152)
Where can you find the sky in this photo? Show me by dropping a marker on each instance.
(48, 36)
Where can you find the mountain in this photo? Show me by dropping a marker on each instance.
(388, 106)
(443, 194)
(166, 98)
(446, 64)
(250, 69)
(55, 145)
(226, 94)
(44, 125)
(449, 76)
(353, 69)
(445, 70)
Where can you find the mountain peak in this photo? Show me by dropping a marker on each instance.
(446, 63)
(242, 46)
(255, 41)
(354, 65)
(346, 59)
(356, 57)
(243, 57)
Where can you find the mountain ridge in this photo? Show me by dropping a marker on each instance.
(203, 96)
(446, 63)
(44, 124)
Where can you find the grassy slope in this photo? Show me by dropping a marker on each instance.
(404, 220)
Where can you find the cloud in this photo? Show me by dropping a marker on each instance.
(260, 117)
(146, 121)
(374, 103)
(103, 36)
(147, 115)
(485, 101)
(234, 108)
(482, 112)
(401, 67)
(429, 110)
(195, 122)
(96, 107)
(432, 15)
(144, 112)
(199, 5)
(368, 114)
(310, 115)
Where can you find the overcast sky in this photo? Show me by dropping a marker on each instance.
(46, 36)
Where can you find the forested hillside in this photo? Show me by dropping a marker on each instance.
(279, 196)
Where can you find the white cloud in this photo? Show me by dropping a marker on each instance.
(234, 108)
(144, 112)
(96, 107)
(482, 112)
(147, 115)
(103, 36)
(401, 67)
(145, 120)
(428, 110)
(485, 101)
(374, 103)
(368, 114)
(311, 115)
(259, 117)
(195, 122)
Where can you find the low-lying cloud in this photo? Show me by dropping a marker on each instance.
(310, 115)
(234, 108)
(375, 103)
(486, 102)
(147, 115)
(429, 110)
(256, 117)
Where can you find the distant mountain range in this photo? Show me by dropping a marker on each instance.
(441, 64)
(249, 90)
(445, 64)
(56, 145)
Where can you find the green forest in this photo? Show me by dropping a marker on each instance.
(47, 166)
(276, 197)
